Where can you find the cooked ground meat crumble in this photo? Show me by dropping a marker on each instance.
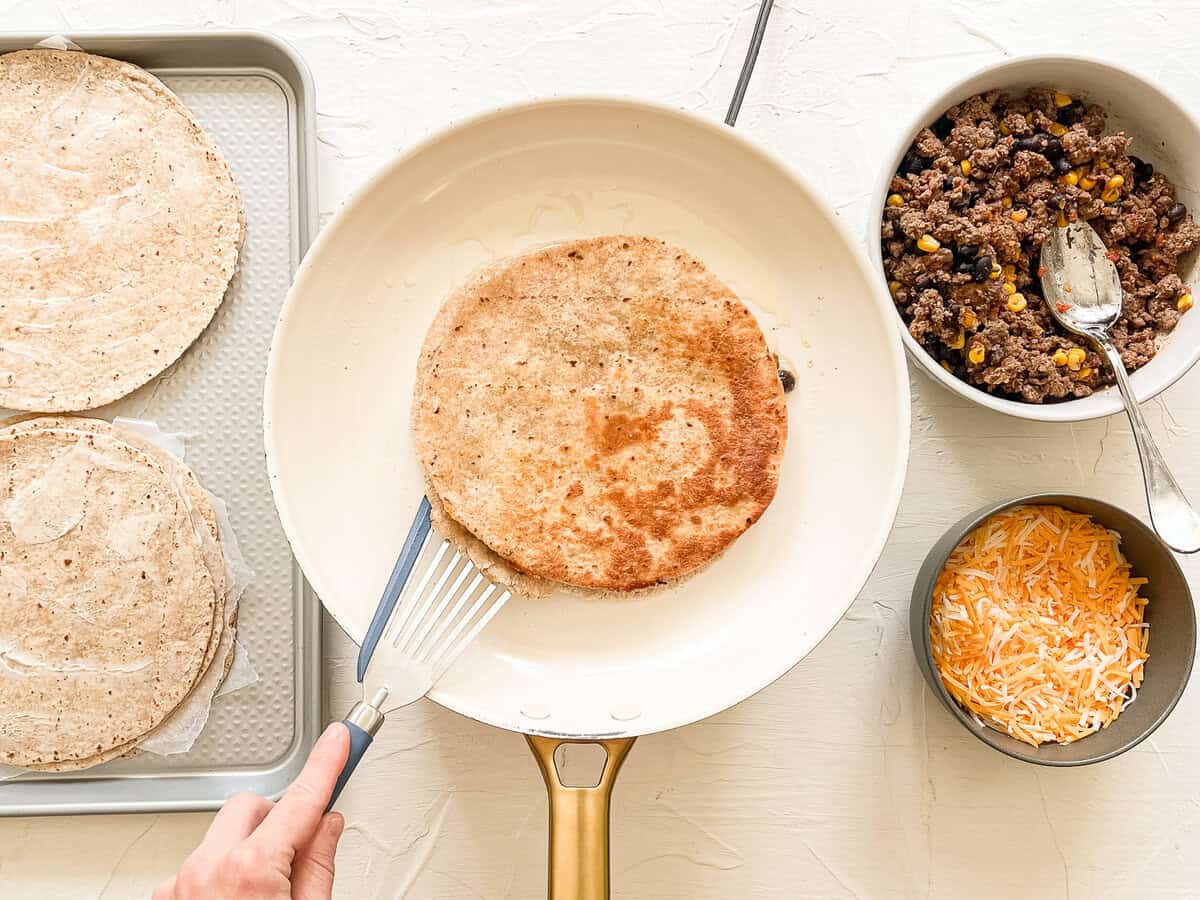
(973, 200)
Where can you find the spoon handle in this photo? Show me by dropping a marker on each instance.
(1176, 522)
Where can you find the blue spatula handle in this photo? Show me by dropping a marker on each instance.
(417, 533)
(362, 722)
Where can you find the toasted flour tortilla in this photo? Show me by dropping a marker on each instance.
(604, 413)
(120, 226)
(104, 590)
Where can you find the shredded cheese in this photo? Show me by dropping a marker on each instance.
(1037, 625)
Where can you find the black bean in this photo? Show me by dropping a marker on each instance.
(967, 251)
(1176, 213)
(1071, 114)
(964, 266)
(947, 185)
(913, 163)
(942, 128)
(1142, 170)
(1062, 165)
(1054, 148)
(787, 379)
(1032, 143)
(983, 268)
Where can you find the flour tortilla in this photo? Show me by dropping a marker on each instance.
(604, 413)
(120, 226)
(130, 750)
(98, 651)
(205, 523)
(204, 517)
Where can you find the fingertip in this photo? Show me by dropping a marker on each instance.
(335, 737)
(335, 822)
(334, 728)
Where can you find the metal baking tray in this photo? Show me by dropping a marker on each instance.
(254, 95)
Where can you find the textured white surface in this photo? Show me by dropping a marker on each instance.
(845, 779)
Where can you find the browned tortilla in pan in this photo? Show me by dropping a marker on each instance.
(604, 413)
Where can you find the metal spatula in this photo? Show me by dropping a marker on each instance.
(416, 634)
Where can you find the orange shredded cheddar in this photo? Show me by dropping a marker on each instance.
(1037, 625)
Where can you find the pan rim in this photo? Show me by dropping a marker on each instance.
(889, 504)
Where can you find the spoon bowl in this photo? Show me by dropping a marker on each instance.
(1080, 282)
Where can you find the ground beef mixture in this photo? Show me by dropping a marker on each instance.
(973, 200)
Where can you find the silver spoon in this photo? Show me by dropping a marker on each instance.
(1082, 288)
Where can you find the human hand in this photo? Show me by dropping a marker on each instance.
(259, 850)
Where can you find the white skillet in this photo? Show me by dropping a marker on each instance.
(339, 385)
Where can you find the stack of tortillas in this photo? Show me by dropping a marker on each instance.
(604, 413)
(120, 227)
(113, 592)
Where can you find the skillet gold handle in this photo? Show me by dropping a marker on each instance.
(579, 821)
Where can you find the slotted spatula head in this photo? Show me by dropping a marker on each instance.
(435, 604)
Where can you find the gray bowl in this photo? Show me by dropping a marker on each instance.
(1170, 613)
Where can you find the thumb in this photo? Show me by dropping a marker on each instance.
(312, 869)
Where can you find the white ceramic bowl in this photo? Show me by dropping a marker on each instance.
(1162, 132)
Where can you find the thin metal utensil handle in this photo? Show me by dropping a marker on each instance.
(756, 39)
(1174, 519)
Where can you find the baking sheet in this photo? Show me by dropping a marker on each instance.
(254, 96)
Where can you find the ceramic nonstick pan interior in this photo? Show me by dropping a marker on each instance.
(571, 667)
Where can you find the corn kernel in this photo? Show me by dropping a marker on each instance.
(1017, 302)
(1061, 99)
(1085, 373)
(996, 270)
(1075, 358)
(928, 243)
(945, 365)
(1071, 178)
(895, 200)
(1056, 129)
(959, 342)
(1004, 129)
(1184, 303)
(1115, 182)
(894, 287)
(965, 165)
(1087, 182)
(1062, 219)
(1019, 215)
(1009, 272)
(1029, 118)
(1008, 287)
(1060, 357)
(976, 354)
(1006, 202)
(1111, 195)
(968, 318)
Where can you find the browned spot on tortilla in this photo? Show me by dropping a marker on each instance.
(616, 431)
